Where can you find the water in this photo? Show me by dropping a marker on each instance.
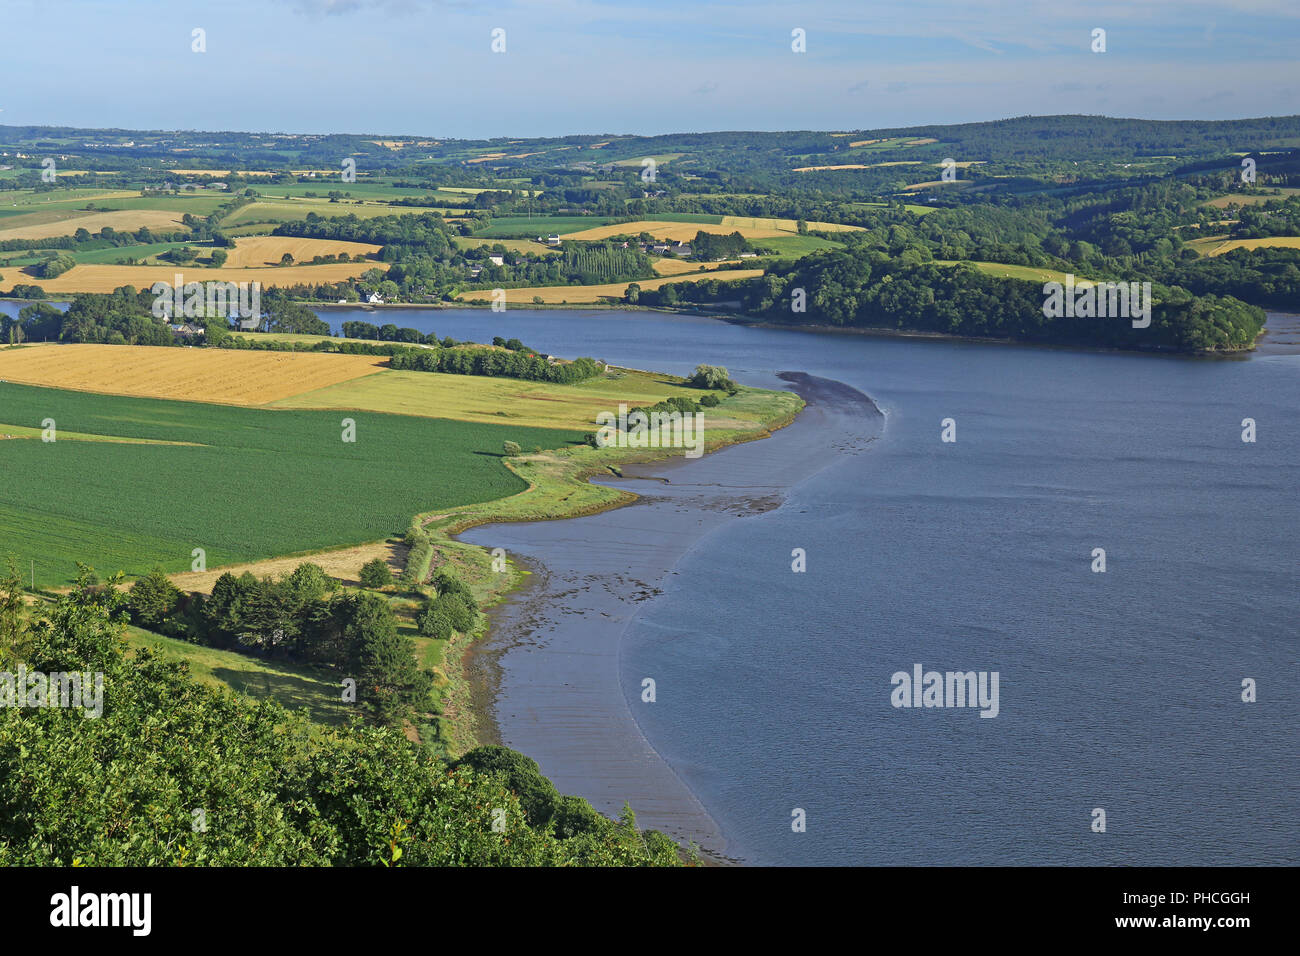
(1119, 691)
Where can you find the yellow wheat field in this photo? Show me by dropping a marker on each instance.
(676, 267)
(224, 376)
(123, 220)
(577, 294)
(257, 251)
(747, 226)
(91, 277)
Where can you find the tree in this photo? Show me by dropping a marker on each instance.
(12, 627)
(375, 574)
(710, 376)
(153, 600)
(219, 257)
(511, 449)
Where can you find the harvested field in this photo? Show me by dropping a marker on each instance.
(343, 564)
(557, 294)
(223, 376)
(257, 251)
(106, 278)
(749, 227)
(676, 267)
(43, 225)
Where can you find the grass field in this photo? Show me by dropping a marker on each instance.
(1248, 199)
(211, 375)
(579, 294)
(494, 400)
(524, 227)
(1033, 273)
(252, 483)
(294, 210)
(293, 685)
(514, 245)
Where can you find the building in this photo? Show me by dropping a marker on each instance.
(497, 260)
(374, 299)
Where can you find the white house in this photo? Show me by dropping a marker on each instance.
(374, 299)
(497, 260)
(553, 240)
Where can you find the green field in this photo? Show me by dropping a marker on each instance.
(295, 686)
(255, 483)
(522, 227)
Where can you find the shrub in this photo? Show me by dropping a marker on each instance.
(375, 574)
(511, 449)
(710, 401)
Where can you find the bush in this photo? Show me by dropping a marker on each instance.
(511, 449)
(433, 621)
(375, 574)
(710, 401)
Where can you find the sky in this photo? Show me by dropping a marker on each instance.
(427, 67)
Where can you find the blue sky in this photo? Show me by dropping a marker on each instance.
(609, 66)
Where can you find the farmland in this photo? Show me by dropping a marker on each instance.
(749, 227)
(253, 483)
(576, 294)
(106, 278)
(209, 375)
(494, 400)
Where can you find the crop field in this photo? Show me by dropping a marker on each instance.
(523, 227)
(1247, 199)
(209, 375)
(252, 483)
(106, 278)
(494, 400)
(267, 250)
(45, 225)
(1218, 245)
(579, 294)
(677, 267)
(749, 227)
(514, 245)
(293, 210)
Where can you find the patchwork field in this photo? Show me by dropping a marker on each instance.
(1248, 199)
(577, 294)
(106, 278)
(209, 375)
(494, 400)
(251, 484)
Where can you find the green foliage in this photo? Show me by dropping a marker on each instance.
(510, 449)
(153, 599)
(122, 789)
(709, 376)
(375, 574)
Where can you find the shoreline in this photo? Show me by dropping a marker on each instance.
(547, 676)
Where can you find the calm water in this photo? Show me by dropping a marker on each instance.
(1118, 690)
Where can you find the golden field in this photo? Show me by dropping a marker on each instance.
(1218, 245)
(677, 267)
(224, 376)
(476, 398)
(256, 251)
(40, 225)
(747, 226)
(579, 294)
(91, 277)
